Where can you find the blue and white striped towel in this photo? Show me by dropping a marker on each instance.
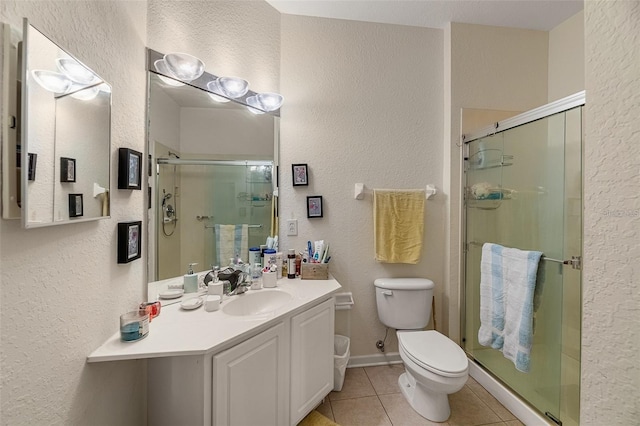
(231, 240)
(507, 284)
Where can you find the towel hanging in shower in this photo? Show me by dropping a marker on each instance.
(507, 286)
(231, 240)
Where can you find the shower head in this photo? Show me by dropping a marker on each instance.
(166, 197)
(174, 154)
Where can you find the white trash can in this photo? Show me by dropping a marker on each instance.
(341, 355)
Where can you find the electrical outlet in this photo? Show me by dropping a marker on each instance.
(292, 226)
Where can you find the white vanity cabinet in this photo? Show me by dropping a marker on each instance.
(272, 378)
(231, 367)
(311, 358)
(250, 381)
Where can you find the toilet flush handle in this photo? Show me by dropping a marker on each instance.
(387, 292)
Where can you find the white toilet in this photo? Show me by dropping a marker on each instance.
(435, 366)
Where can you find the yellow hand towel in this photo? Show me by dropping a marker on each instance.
(398, 222)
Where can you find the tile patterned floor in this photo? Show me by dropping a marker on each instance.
(371, 397)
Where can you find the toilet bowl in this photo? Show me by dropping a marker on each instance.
(435, 366)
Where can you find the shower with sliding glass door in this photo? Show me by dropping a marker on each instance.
(195, 195)
(523, 189)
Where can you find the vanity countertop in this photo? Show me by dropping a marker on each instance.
(178, 332)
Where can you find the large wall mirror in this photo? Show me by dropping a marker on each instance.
(61, 143)
(213, 176)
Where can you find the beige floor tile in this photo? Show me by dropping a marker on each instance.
(325, 409)
(468, 410)
(356, 385)
(401, 413)
(384, 378)
(367, 411)
(514, 423)
(491, 402)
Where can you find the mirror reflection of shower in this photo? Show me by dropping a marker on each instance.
(169, 213)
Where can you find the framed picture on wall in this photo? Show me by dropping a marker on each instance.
(300, 176)
(67, 169)
(33, 162)
(129, 169)
(129, 241)
(75, 205)
(314, 206)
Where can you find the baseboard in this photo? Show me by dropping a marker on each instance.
(513, 403)
(374, 359)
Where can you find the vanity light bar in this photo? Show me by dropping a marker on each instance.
(258, 103)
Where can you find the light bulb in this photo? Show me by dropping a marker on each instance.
(52, 81)
(270, 101)
(254, 105)
(161, 66)
(76, 71)
(185, 67)
(233, 87)
(215, 87)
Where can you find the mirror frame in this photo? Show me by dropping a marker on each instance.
(24, 140)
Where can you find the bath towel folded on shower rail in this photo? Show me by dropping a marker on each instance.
(507, 285)
(231, 240)
(398, 222)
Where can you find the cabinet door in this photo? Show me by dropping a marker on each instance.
(250, 381)
(311, 358)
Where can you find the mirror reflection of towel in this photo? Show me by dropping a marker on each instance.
(231, 240)
(398, 222)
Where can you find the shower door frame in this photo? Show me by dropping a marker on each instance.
(539, 113)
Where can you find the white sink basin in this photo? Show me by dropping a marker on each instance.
(256, 302)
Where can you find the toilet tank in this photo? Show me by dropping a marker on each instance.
(404, 303)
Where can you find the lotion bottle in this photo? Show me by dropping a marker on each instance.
(191, 280)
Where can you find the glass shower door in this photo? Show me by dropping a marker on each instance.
(525, 193)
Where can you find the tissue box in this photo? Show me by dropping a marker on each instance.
(314, 271)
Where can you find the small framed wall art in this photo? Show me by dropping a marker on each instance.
(33, 162)
(129, 169)
(300, 175)
(75, 205)
(67, 169)
(314, 206)
(129, 241)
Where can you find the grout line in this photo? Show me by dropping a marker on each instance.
(384, 409)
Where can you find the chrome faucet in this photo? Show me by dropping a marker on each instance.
(240, 288)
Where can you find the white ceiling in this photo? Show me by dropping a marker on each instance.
(530, 14)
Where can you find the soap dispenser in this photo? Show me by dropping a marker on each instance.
(190, 280)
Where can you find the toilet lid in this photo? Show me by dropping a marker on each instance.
(448, 360)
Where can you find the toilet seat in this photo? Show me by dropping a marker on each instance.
(449, 360)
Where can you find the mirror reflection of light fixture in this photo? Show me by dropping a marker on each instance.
(254, 105)
(52, 81)
(270, 101)
(161, 66)
(233, 87)
(86, 94)
(75, 71)
(184, 66)
(215, 87)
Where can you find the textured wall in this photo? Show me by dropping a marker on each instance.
(62, 291)
(490, 68)
(610, 332)
(566, 58)
(363, 104)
